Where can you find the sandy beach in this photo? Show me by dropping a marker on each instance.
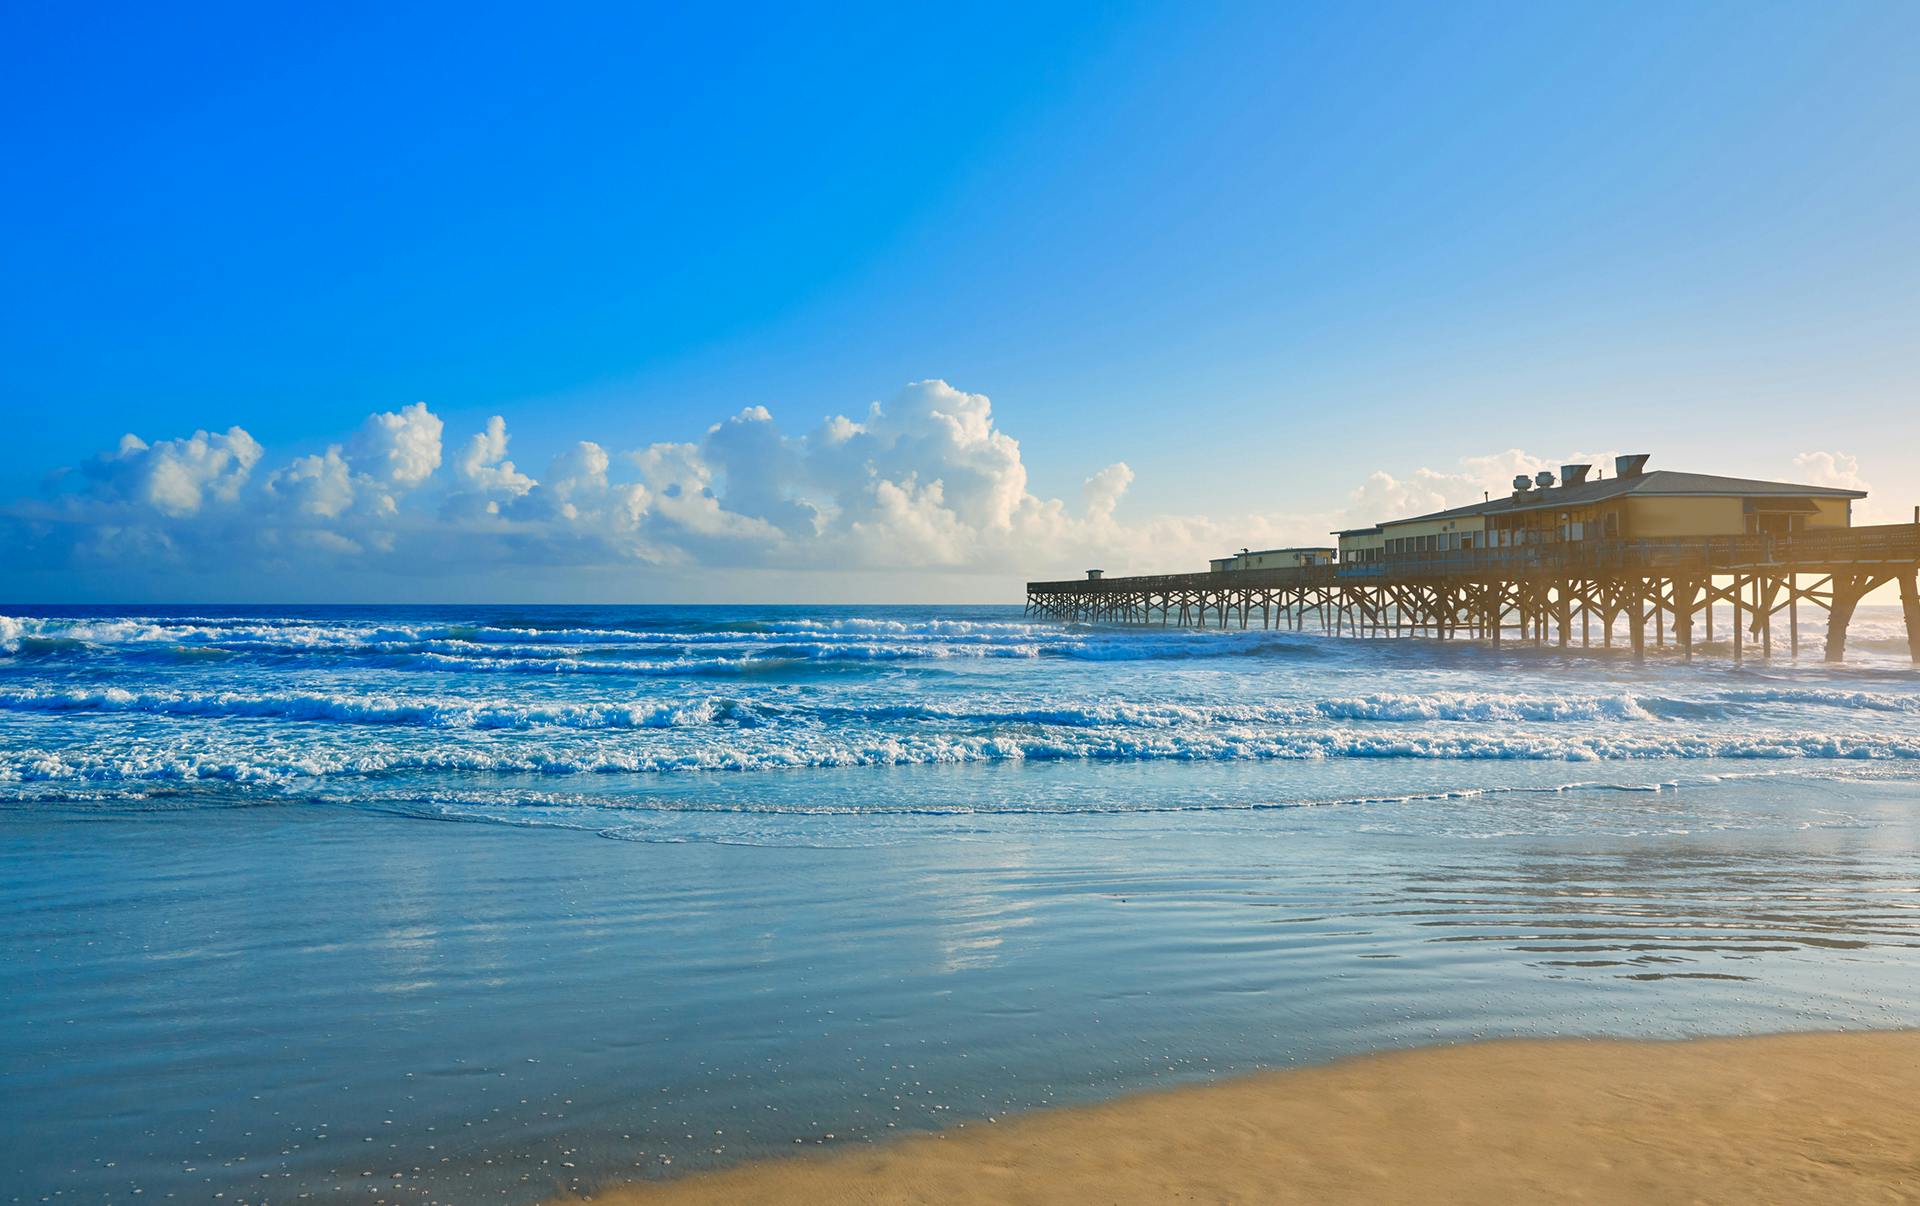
(1793, 1118)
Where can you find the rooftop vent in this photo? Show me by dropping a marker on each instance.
(1544, 479)
(1522, 483)
(1574, 475)
(1630, 466)
(1094, 575)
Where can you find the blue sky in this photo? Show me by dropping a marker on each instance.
(1259, 255)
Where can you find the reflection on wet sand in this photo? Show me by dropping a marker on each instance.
(484, 1012)
(1671, 913)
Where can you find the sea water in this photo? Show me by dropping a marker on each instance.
(489, 903)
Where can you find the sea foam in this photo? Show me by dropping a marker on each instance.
(442, 701)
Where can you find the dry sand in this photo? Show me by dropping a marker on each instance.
(1792, 1118)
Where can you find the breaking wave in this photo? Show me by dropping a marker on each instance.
(287, 764)
(390, 710)
(437, 700)
(465, 712)
(639, 651)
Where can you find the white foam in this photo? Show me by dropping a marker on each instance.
(389, 709)
(282, 763)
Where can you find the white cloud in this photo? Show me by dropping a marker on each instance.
(580, 469)
(1842, 471)
(1423, 490)
(399, 448)
(762, 472)
(320, 486)
(1103, 491)
(931, 433)
(484, 466)
(1837, 469)
(688, 508)
(177, 477)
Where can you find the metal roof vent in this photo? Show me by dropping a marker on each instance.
(1522, 483)
(1574, 475)
(1630, 466)
(1544, 479)
(1094, 575)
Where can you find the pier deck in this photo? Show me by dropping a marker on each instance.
(1556, 594)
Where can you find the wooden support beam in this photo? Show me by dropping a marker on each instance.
(1764, 594)
(1910, 606)
(1846, 596)
(1793, 613)
(1685, 594)
(1739, 651)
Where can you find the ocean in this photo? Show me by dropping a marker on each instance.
(429, 904)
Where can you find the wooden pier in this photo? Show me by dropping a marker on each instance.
(1655, 594)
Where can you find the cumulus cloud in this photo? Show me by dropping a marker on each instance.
(1842, 471)
(320, 486)
(1424, 489)
(483, 465)
(400, 448)
(1836, 469)
(580, 469)
(764, 472)
(935, 431)
(1103, 491)
(576, 514)
(924, 481)
(178, 477)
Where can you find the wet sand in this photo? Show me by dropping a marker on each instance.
(1790, 1118)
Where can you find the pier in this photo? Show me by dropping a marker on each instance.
(1654, 594)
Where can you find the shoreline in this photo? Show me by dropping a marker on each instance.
(1830, 1117)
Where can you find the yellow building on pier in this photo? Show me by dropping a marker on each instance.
(1634, 504)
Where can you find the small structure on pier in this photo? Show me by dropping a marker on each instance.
(1288, 558)
(1659, 551)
